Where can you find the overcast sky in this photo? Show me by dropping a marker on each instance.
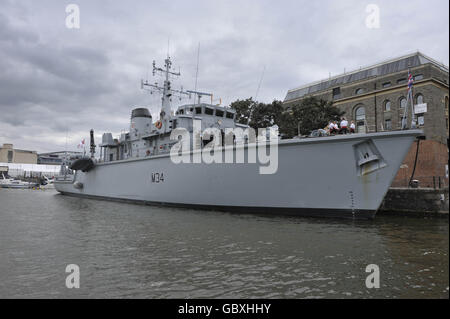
(56, 83)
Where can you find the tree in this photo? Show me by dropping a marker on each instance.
(288, 125)
(308, 115)
(261, 115)
(311, 114)
(243, 109)
(266, 115)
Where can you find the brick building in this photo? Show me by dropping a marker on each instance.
(375, 98)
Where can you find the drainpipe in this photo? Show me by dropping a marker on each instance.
(375, 98)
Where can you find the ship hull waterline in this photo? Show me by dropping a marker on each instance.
(320, 177)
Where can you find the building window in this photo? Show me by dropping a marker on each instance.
(418, 77)
(386, 84)
(419, 99)
(360, 116)
(336, 93)
(387, 105)
(359, 91)
(10, 156)
(387, 125)
(401, 81)
(402, 102)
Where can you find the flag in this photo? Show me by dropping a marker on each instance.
(81, 144)
(410, 80)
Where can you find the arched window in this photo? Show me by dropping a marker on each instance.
(419, 99)
(360, 117)
(387, 105)
(359, 91)
(402, 102)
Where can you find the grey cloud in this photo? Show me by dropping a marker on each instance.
(56, 82)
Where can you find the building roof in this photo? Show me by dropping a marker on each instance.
(380, 69)
(9, 146)
(60, 152)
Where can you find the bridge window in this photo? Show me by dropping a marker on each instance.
(198, 110)
(230, 115)
(209, 111)
(219, 113)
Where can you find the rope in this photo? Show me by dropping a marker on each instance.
(415, 163)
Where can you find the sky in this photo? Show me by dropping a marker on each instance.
(56, 83)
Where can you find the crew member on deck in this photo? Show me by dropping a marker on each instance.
(334, 128)
(352, 127)
(344, 124)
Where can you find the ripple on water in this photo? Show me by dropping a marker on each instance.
(151, 252)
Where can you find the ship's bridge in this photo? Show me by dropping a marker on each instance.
(204, 109)
(210, 116)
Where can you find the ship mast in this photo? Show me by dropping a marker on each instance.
(166, 91)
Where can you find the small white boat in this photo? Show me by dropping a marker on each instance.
(49, 183)
(15, 183)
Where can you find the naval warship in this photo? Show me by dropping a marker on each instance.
(334, 176)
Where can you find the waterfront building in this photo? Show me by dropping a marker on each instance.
(57, 158)
(19, 163)
(375, 98)
(8, 154)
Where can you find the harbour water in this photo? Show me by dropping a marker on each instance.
(133, 251)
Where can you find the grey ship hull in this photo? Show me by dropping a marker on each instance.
(316, 177)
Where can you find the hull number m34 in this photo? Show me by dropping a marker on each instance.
(157, 177)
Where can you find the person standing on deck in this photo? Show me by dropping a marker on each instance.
(344, 124)
(352, 127)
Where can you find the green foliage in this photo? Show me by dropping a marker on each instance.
(266, 115)
(243, 109)
(312, 113)
(308, 115)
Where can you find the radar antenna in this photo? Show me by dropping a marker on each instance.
(166, 91)
(200, 94)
